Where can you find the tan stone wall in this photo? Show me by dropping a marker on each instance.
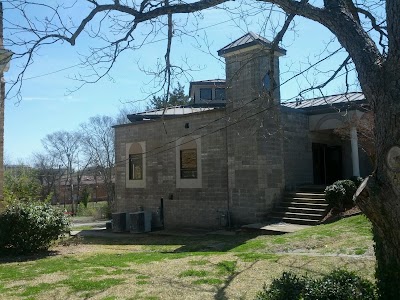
(242, 164)
(184, 207)
(297, 147)
(255, 153)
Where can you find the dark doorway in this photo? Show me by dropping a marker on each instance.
(327, 163)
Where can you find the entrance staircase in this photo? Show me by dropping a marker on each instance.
(306, 206)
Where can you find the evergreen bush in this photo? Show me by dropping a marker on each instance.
(288, 286)
(334, 195)
(30, 227)
(340, 193)
(337, 285)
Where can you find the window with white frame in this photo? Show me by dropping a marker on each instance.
(136, 162)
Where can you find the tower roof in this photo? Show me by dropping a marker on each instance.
(248, 40)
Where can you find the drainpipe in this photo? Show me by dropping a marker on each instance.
(228, 207)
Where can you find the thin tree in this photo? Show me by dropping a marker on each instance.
(66, 148)
(49, 174)
(98, 143)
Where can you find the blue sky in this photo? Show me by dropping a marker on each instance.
(47, 106)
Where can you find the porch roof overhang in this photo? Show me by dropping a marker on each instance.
(329, 104)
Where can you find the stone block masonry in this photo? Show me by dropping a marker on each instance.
(185, 207)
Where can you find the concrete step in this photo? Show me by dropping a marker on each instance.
(305, 195)
(309, 200)
(295, 221)
(292, 209)
(306, 206)
(295, 215)
(299, 204)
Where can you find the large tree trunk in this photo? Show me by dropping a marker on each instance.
(380, 200)
(381, 205)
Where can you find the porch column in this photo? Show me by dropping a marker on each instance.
(354, 152)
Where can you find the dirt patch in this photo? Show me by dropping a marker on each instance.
(335, 215)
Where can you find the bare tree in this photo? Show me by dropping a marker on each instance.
(368, 30)
(49, 173)
(66, 148)
(98, 143)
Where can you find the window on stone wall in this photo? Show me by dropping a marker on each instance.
(188, 163)
(206, 94)
(219, 94)
(135, 166)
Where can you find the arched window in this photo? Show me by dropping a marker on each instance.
(136, 165)
(135, 162)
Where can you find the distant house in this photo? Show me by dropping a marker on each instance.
(94, 185)
(233, 152)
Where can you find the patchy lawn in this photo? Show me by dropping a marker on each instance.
(195, 267)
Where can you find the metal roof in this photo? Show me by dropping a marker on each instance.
(249, 39)
(321, 103)
(314, 105)
(168, 112)
(209, 81)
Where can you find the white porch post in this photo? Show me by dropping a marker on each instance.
(354, 152)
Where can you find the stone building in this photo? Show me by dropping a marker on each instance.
(227, 159)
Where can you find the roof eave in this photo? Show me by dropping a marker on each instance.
(222, 52)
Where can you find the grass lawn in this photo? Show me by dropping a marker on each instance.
(155, 266)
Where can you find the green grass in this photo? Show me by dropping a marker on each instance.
(226, 267)
(139, 265)
(350, 233)
(360, 251)
(80, 284)
(194, 273)
(200, 262)
(36, 289)
(252, 257)
(210, 281)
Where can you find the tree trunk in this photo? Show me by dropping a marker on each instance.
(380, 200)
(381, 205)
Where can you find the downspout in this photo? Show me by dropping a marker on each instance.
(227, 175)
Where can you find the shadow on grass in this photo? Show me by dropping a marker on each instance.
(198, 242)
(6, 257)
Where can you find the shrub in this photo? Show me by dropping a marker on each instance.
(334, 195)
(350, 189)
(21, 184)
(340, 193)
(338, 285)
(288, 286)
(357, 180)
(30, 227)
